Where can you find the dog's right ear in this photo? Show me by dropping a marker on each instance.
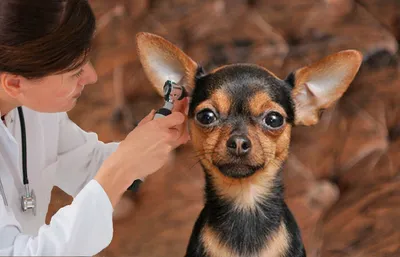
(319, 85)
(162, 61)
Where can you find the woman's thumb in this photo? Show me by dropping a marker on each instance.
(171, 120)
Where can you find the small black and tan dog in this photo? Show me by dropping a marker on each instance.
(240, 121)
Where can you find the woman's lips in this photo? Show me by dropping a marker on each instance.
(79, 93)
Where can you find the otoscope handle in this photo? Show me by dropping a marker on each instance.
(164, 111)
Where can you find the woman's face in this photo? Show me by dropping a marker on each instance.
(55, 93)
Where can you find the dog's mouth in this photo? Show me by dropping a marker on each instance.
(235, 170)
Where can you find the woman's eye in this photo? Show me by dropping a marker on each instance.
(206, 117)
(77, 75)
(274, 120)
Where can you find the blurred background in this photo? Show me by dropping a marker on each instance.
(342, 176)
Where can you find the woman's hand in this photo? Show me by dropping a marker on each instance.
(144, 151)
(179, 106)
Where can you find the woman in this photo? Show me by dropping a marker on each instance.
(44, 48)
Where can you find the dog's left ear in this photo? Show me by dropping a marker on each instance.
(162, 61)
(319, 85)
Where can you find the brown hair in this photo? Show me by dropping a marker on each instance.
(43, 37)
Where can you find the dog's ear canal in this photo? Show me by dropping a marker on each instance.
(318, 86)
(162, 61)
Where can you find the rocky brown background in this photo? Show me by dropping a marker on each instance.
(342, 176)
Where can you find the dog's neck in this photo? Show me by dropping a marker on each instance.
(256, 218)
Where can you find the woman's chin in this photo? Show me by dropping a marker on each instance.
(72, 104)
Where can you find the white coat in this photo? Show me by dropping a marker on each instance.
(58, 153)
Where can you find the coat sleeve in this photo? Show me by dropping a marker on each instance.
(83, 228)
(80, 155)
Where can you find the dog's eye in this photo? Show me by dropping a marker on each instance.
(274, 120)
(206, 117)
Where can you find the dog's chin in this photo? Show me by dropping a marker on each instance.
(234, 170)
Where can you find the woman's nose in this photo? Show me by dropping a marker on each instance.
(90, 74)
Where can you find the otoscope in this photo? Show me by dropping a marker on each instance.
(172, 92)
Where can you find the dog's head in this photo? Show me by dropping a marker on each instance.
(240, 115)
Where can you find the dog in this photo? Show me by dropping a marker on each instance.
(240, 119)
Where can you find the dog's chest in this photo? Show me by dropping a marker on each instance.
(277, 245)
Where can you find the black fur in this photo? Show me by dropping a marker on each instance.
(251, 229)
(296, 247)
(290, 79)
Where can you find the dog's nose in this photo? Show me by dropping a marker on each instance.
(238, 145)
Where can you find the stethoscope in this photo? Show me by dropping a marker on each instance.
(28, 199)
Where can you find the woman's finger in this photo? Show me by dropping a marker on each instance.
(148, 117)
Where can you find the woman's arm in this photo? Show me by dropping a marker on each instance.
(82, 228)
(80, 155)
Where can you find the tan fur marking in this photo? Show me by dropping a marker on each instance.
(222, 101)
(282, 144)
(198, 138)
(213, 245)
(257, 154)
(246, 192)
(203, 105)
(219, 100)
(205, 143)
(262, 102)
(278, 245)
